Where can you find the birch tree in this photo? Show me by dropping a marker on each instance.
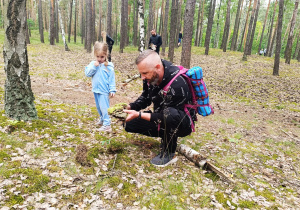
(188, 33)
(62, 27)
(19, 98)
(142, 27)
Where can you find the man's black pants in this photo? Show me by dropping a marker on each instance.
(176, 124)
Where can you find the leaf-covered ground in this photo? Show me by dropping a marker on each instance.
(254, 136)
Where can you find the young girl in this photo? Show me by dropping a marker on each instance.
(103, 82)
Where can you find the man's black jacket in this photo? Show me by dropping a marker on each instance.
(110, 42)
(156, 40)
(178, 94)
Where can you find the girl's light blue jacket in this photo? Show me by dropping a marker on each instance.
(103, 77)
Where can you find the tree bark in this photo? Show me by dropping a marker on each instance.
(289, 44)
(142, 27)
(188, 33)
(19, 98)
(216, 40)
(109, 10)
(75, 21)
(41, 27)
(150, 20)
(70, 21)
(82, 22)
(236, 26)
(245, 27)
(122, 32)
(198, 25)
(161, 21)
(100, 18)
(253, 29)
(165, 29)
(201, 25)
(273, 40)
(209, 25)
(173, 35)
(89, 29)
(135, 24)
(271, 29)
(226, 27)
(56, 20)
(52, 29)
(297, 46)
(62, 28)
(262, 33)
(278, 39)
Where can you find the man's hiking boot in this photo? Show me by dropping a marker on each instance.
(164, 159)
(105, 128)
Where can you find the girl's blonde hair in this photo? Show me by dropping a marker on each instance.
(101, 47)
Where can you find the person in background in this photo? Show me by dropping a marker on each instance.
(261, 52)
(155, 41)
(103, 83)
(265, 51)
(110, 42)
(179, 39)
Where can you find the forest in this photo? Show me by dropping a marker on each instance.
(52, 155)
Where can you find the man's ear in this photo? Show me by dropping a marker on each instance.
(157, 67)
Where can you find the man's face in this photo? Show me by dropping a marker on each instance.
(153, 32)
(150, 75)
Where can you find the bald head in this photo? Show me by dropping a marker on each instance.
(150, 66)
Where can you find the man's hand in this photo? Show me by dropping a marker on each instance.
(96, 63)
(132, 114)
(128, 107)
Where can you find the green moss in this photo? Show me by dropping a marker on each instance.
(213, 176)
(114, 181)
(78, 131)
(36, 152)
(116, 107)
(115, 147)
(247, 204)
(14, 199)
(4, 156)
(266, 194)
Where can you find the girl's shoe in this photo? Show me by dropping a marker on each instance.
(100, 122)
(105, 128)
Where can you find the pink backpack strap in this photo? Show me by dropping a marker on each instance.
(182, 71)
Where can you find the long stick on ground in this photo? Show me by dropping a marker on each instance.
(201, 161)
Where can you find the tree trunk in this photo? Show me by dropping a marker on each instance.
(236, 27)
(226, 28)
(75, 21)
(165, 29)
(82, 22)
(216, 40)
(135, 24)
(253, 29)
(100, 28)
(209, 25)
(245, 27)
(142, 27)
(201, 25)
(89, 30)
(273, 40)
(278, 39)
(289, 44)
(198, 25)
(122, 32)
(188, 33)
(249, 31)
(62, 28)
(126, 22)
(70, 21)
(108, 25)
(19, 98)
(173, 35)
(297, 46)
(93, 29)
(150, 21)
(161, 20)
(262, 33)
(56, 20)
(271, 29)
(41, 28)
(52, 29)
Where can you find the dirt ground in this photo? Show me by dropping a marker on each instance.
(253, 135)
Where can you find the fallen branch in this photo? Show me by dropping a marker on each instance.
(201, 161)
(132, 78)
(290, 136)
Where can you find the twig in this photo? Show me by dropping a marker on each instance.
(132, 78)
(290, 135)
(114, 162)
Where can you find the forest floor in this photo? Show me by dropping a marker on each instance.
(254, 136)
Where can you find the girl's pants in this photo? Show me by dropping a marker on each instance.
(102, 104)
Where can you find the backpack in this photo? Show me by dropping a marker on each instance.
(200, 99)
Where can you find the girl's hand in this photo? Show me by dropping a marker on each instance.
(112, 95)
(96, 63)
(132, 114)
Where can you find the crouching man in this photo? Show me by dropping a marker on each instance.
(168, 119)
